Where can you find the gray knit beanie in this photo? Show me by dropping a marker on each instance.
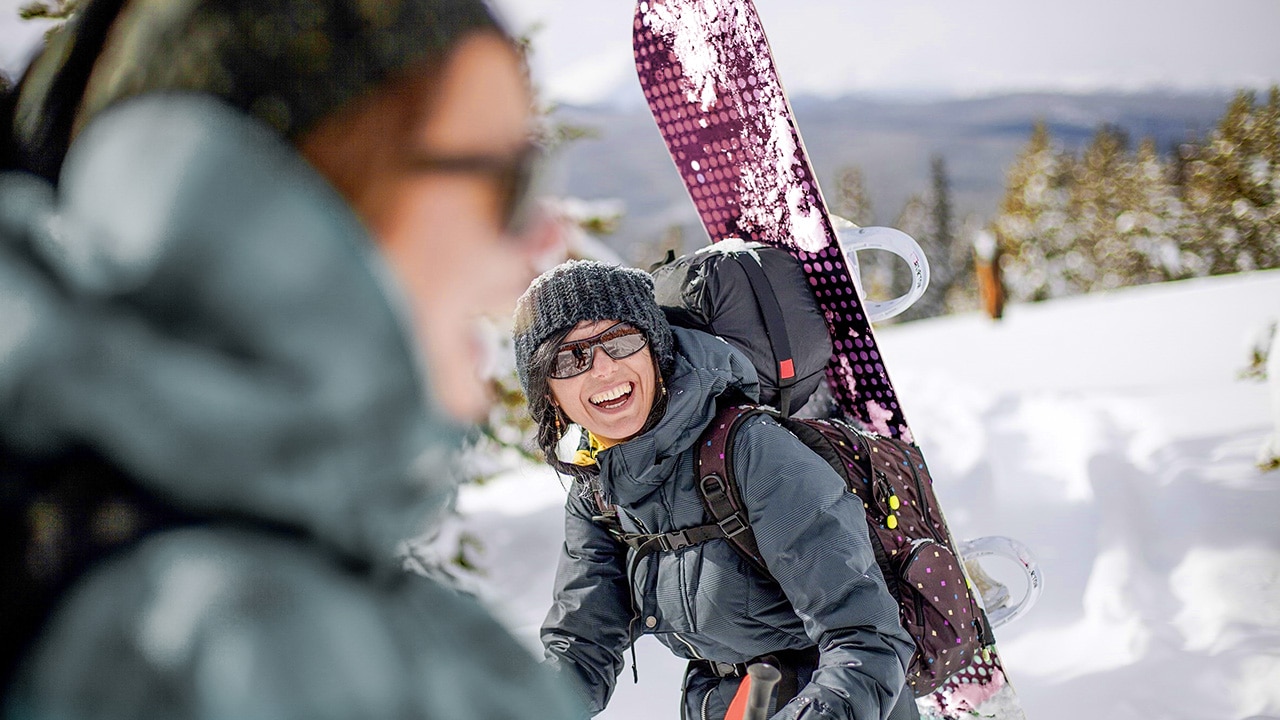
(588, 290)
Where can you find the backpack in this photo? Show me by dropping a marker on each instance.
(737, 291)
(912, 545)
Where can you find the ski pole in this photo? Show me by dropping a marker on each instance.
(762, 677)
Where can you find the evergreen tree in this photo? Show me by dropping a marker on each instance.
(932, 218)
(1033, 226)
(851, 199)
(8, 155)
(1269, 166)
(1154, 224)
(960, 293)
(1231, 188)
(60, 10)
(1099, 259)
(1114, 217)
(963, 295)
(943, 233)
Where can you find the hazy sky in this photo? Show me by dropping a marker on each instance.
(953, 46)
(583, 51)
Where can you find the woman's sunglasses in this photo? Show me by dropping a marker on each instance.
(514, 174)
(576, 357)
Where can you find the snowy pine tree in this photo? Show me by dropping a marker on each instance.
(1113, 217)
(960, 293)
(1033, 225)
(933, 226)
(1154, 224)
(61, 10)
(1100, 258)
(1232, 187)
(964, 294)
(56, 13)
(851, 200)
(916, 220)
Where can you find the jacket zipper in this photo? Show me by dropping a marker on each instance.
(631, 594)
(689, 645)
(632, 591)
(915, 478)
(918, 545)
(924, 500)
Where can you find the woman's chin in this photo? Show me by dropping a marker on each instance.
(618, 430)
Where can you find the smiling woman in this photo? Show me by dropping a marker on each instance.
(593, 349)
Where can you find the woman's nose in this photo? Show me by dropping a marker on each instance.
(602, 363)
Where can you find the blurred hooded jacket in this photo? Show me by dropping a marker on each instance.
(214, 431)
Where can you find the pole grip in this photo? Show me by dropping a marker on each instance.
(763, 677)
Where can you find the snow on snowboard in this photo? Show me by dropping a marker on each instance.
(710, 81)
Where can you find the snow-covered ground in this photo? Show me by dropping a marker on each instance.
(1110, 434)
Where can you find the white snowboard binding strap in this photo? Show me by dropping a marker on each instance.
(995, 596)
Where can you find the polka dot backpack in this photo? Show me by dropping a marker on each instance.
(913, 547)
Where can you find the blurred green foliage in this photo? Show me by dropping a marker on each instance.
(1113, 215)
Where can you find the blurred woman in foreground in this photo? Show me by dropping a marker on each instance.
(243, 249)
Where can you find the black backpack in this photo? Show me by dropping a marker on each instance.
(737, 291)
(912, 545)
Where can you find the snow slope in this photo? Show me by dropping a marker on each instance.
(1109, 433)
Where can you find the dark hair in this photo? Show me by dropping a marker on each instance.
(546, 413)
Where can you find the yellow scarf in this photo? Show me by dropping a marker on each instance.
(587, 456)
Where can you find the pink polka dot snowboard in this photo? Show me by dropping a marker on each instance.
(708, 74)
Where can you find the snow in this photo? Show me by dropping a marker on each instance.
(1110, 434)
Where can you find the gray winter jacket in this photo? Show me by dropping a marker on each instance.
(705, 601)
(199, 308)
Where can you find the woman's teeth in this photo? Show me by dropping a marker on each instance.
(609, 396)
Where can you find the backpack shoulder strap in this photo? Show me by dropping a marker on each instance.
(718, 488)
(718, 485)
(606, 512)
(775, 327)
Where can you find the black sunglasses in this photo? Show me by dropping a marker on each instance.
(515, 175)
(576, 357)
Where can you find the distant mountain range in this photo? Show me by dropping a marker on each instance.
(890, 140)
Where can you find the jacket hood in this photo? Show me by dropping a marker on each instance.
(706, 367)
(203, 308)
